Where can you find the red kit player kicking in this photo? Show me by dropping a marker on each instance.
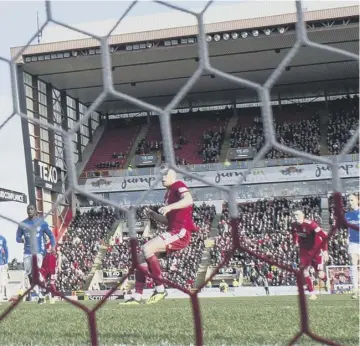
(308, 235)
(177, 215)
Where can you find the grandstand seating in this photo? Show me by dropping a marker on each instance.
(80, 245)
(198, 137)
(295, 127)
(188, 136)
(118, 140)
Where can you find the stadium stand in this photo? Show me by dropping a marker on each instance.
(297, 126)
(80, 245)
(114, 146)
(189, 146)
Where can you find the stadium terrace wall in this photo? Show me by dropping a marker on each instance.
(225, 177)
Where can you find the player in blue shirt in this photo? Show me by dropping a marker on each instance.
(23, 235)
(353, 217)
(4, 257)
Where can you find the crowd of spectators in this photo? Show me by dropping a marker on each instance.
(180, 267)
(342, 125)
(212, 142)
(266, 225)
(303, 135)
(80, 245)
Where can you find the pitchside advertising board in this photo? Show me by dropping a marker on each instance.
(340, 279)
(225, 177)
(47, 176)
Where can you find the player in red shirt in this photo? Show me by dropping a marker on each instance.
(307, 234)
(48, 272)
(177, 215)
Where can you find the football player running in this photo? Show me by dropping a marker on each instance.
(307, 234)
(23, 235)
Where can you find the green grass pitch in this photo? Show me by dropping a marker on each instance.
(226, 321)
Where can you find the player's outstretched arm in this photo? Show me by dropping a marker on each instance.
(49, 234)
(19, 235)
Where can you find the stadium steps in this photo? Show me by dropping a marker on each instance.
(101, 254)
(325, 216)
(89, 149)
(141, 135)
(226, 145)
(214, 224)
(204, 264)
(324, 123)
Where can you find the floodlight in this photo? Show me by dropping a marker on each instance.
(208, 38)
(281, 30)
(244, 34)
(267, 32)
(226, 37)
(217, 38)
(234, 35)
(255, 33)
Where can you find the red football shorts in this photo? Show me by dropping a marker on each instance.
(177, 239)
(317, 262)
(49, 265)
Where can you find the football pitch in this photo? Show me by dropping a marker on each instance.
(226, 321)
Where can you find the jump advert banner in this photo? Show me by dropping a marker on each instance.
(226, 177)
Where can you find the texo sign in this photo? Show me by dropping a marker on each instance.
(47, 176)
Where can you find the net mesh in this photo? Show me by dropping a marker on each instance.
(204, 65)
